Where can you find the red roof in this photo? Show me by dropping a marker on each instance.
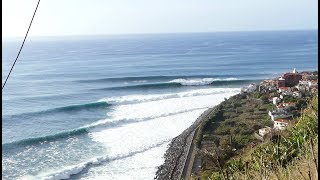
(284, 88)
(290, 103)
(280, 106)
(282, 121)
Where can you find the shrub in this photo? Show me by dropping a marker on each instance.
(216, 176)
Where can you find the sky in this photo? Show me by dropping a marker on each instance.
(98, 17)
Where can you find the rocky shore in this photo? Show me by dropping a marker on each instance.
(177, 153)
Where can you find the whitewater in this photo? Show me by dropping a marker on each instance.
(138, 125)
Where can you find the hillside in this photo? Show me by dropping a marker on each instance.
(289, 154)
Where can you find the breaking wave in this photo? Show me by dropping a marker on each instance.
(102, 124)
(183, 82)
(68, 171)
(155, 97)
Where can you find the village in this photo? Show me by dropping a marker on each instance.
(287, 94)
(238, 124)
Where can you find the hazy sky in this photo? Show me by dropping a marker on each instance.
(89, 17)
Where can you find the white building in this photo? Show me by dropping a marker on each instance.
(275, 100)
(278, 114)
(312, 83)
(280, 124)
(303, 83)
(264, 131)
(297, 94)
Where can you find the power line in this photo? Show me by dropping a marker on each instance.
(25, 37)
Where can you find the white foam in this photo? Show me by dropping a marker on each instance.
(137, 135)
(154, 97)
(199, 82)
(67, 171)
(134, 168)
(170, 117)
(193, 82)
(116, 122)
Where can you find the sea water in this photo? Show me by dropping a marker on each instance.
(106, 107)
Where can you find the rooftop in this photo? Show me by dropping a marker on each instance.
(287, 121)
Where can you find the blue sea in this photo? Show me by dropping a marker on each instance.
(106, 107)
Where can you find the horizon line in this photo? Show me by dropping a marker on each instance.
(155, 33)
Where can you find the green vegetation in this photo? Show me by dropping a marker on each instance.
(225, 140)
(287, 98)
(293, 152)
(231, 127)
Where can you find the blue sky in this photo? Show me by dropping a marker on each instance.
(95, 17)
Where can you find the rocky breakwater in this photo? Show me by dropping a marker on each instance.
(177, 153)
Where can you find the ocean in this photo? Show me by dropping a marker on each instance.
(106, 107)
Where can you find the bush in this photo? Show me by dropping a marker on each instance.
(256, 95)
(222, 130)
(265, 98)
(216, 176)
(242, 140)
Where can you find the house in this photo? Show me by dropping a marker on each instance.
(292, 79)
(264, 131)
(284, 89)
(289, 104)
(302, 86)
(278, 114)
(281, 82)
(281, 96)
(281, 107)
(312, 83)
(281, 124)
(297, 94)
(275, 100)
(272, 88)
(303, 83)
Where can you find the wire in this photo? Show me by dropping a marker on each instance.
(25, 37)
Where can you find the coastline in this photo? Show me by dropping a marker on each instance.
(178, 151)
(181, 153)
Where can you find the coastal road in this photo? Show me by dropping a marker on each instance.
(187, 170)
(186, 173)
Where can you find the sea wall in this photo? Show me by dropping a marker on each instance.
(177, 152)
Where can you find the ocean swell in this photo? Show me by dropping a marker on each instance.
(65, 109)
(97, 126)
(165, 78)
(181, 82)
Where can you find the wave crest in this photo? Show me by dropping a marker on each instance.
(102, 124)
(176, 83)
(199, 82)
(155, 97)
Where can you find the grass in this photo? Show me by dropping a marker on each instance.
(292, 155)
(232, 126)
